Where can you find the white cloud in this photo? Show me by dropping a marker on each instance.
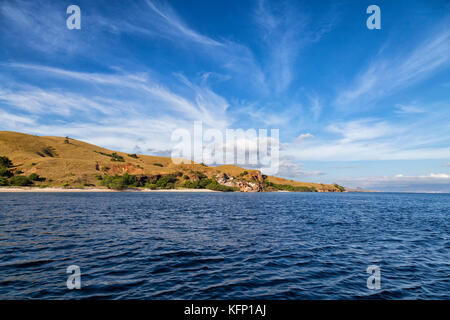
(290, 168)
(302, 137)
(433, 182)
(40, 26)
(373, 139)
(408, 109)
(363, 129)
(170, 23)
(8, 120)
(285, 29)
(316, 107)
(206, 105)
(384, 76)
(137, 110)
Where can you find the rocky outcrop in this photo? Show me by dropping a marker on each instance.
(121, 169)
(243, 185)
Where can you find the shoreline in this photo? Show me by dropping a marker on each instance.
(62, 190)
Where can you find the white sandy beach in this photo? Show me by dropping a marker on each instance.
(31, 189)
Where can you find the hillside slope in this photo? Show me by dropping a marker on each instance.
(73, 163)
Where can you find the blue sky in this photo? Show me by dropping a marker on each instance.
(359, 107)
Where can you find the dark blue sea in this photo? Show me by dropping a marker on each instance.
(224, 245)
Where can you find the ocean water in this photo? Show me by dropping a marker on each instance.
(224, 245)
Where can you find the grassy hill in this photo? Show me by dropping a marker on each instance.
(65, 162)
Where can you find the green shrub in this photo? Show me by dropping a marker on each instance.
(287, 187)
(20, 181)
(5, 172)
(214, 185)
(340, 188)
(186, 177)
(201, 175)
(170, 185)
(165, 180)
(151, 186)
(119, 182)
(244, 173)
(191, 185)
(35, 177)
(117, 158)
(4, 182)
(5, 162)
(134, 155)
(202, 183)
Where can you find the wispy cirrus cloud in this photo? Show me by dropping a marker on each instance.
(79, 105)
(41, 27)
(136, 86)
(362, 129)
(170, 24)
(386, 75)
(286, 29)
(11, 121)
(372, 139)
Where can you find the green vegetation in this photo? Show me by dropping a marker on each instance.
(134, 155)
(205, 183)
(166, 182)
(158, 164)
(114, 156)
(4, 172)
(341, 188)
(13, 178)
(243, 173)
(214, 185)
(20, 181)
(287, 187)
(120, 182)
(35, 177)
(5, 162)
(4, 182)
(126, 181)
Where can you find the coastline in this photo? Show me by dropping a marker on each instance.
(65, 190)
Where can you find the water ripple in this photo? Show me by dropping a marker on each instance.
(224, 246)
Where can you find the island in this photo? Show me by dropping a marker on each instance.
(29, 162)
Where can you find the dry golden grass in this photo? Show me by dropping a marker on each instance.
(78, 163)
